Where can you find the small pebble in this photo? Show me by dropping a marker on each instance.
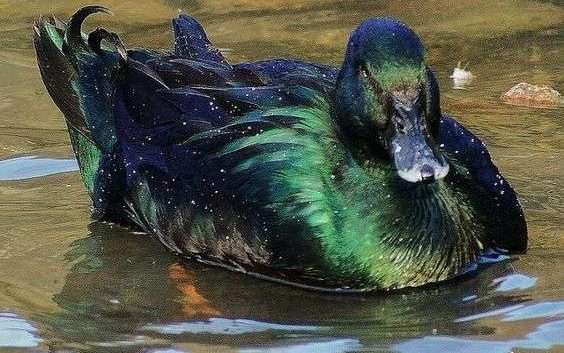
(526, 94)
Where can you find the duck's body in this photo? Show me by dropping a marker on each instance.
(251, 166)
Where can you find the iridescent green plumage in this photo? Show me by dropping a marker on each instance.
(347, 180)
(88, 157)
(365, 225)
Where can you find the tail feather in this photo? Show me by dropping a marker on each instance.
(79, 78)
(56, 71)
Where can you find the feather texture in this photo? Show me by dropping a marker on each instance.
(245, 166)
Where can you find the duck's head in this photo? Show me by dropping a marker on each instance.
(388, 100)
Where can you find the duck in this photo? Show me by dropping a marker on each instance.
(344, 180)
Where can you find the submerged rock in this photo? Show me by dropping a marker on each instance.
(531, 95)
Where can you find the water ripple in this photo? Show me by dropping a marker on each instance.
(17, 332)
(220, 326)
(514, 282)
(32, 166)
(333, 346)
(546, 336)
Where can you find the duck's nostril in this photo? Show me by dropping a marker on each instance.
(427, 173)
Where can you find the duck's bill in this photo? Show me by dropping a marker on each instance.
(415, 161)
(414, 155)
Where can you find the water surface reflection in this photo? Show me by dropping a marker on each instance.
(125, 291)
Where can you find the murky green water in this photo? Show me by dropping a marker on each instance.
(69, 285)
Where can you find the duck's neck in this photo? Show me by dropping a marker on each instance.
(405, 236)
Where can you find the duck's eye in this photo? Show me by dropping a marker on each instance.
(363, 71)
(371, 82)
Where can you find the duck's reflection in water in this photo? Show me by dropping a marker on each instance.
(125, 290)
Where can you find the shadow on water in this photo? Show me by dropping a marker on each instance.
(125, 291)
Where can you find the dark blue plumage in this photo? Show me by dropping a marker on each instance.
(348, 179)
(191, 41)
(504, 207)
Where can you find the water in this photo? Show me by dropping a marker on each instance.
(69, 285)
(28, 167)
